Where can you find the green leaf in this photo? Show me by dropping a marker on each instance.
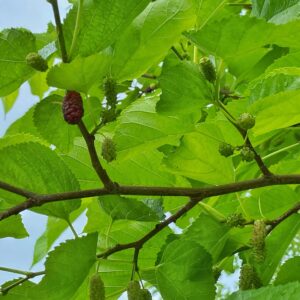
(9, 100)
(121, 208)
(48, 119)
(38, 84)
(15, 44)
(80, 74)
(185, 272)
(193, 160)
(13, 227)
(277, 12)
(289, 291)
(276, 111)
(157, 129)
(288, 271)
(102, 23)
(19, 163)
(210, 234)
(67, 266)
(184, 90)
(151, 35)
(284, 232)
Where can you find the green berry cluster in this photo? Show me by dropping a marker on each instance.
(108, 149)
(246, 121)
(96, 288)
(258, 240)
(134, 292)
(37, 62)
(249, 278)
(110, 90)
(208, 69)
(247, 154)
(226, 149)
(235, 220)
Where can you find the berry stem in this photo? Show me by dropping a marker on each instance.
(59, 31)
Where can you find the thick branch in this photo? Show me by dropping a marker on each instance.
(204, 192)
(16, 190)
(59, 31)
(90, 142)
(160, 226)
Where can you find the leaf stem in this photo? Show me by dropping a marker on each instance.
(76, 29)
(72, 229)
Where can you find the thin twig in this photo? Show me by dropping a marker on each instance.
(204, 192)
(16, 190)
(101, 172)
(4, 290)
(177, 53)
(59, 30)
(137, 245)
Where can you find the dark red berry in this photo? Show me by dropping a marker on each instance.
(72, 107)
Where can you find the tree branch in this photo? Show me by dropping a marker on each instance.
(204, 192)
(90, 142)
(59, 30)
(137, 245)
(18, 191)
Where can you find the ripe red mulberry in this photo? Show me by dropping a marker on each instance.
(72, 107)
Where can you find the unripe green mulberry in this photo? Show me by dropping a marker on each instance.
(96, 290)
(226, 149)
(133, 290)
(235, 220)
(145, 294)
(208, 69)
(110, 91)
(258, 240)
(36, 61)
(246, 121)
(248, 278)
(109, 149)
(247, 154)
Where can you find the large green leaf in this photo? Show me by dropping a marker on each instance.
(67, 266)
(284, 232)
(198, 157)
(239, 42)
(276, 111)
(102, 23)
(185, 272)
(150, 36)
(15, 44)
(289, 291)
(81, 74)
(276, 11)
(184, 90)
(13, 227)
(48, 119)
(288, 271)
(38, 169)
(121, 208)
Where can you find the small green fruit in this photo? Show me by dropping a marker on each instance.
(145, 294)
(208, 69)
(235, 220)
(96, 290)
(247, 154)
(37, 62)
(258, 240)
(110, 91)
(226, 149)
(133, 290)
(109, 149)
(246, 121)
(248, 278)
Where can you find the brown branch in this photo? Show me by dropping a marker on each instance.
(284, 216)
(137, 245)
(19, 191)
(90, 142)
(204, 192)
(59, 30)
